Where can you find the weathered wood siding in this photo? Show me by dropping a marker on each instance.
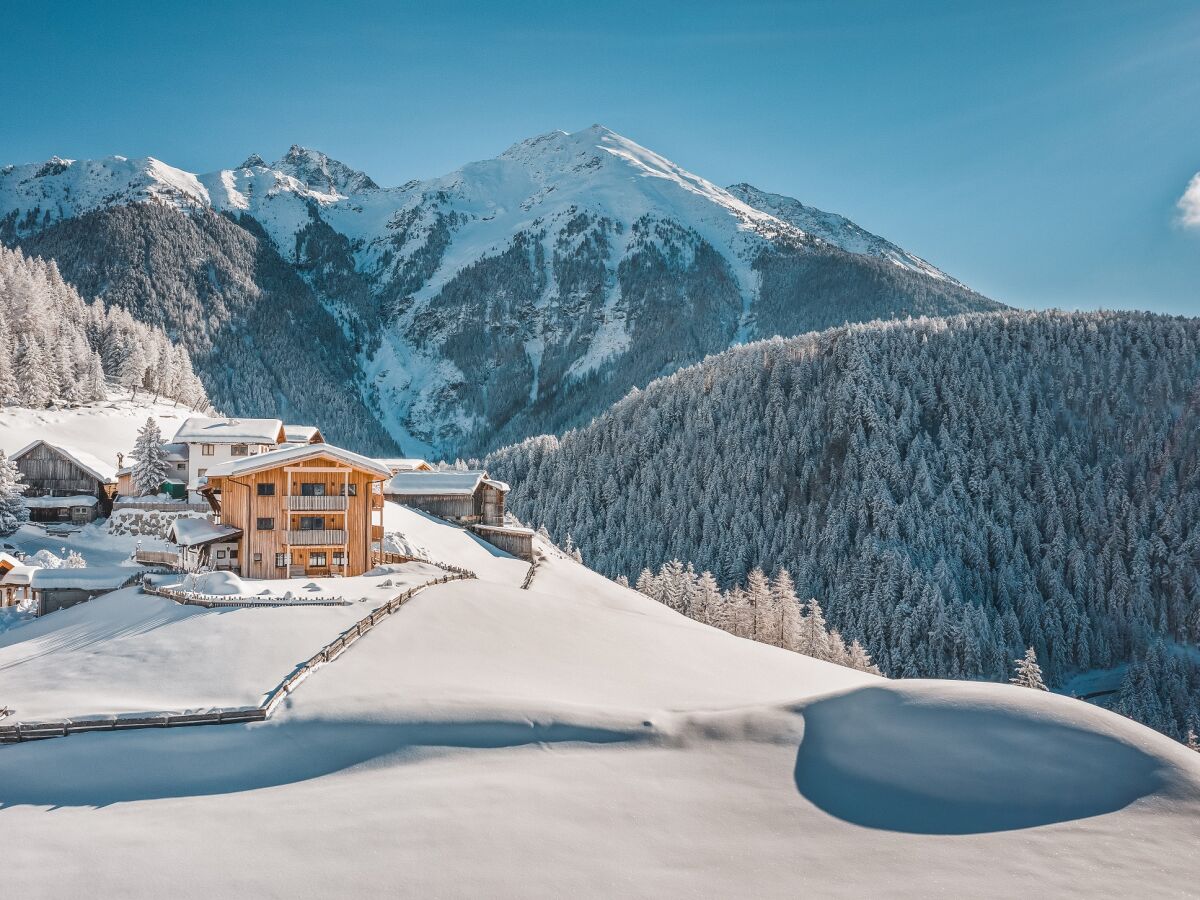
(517, 542)
(242, 507)
(48, 473)
(485, 506)
(455, 507)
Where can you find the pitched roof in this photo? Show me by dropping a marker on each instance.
(230, 431)
(94, 466)
(302, 434)
(192, 531)
(86, 578)
(298, 453)
(411, 484)
(19, 574)
(406, 465)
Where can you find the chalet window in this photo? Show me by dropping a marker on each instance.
(220, 554)
(351, 489)
(233, 553)
(339, 558)
(266, 490)
(281, 560)
(201, 473)
(312, 523)
(207, 449)
(265, 524)
(316, 559)
(179, 467)
(239, 450)
(312, 489)
(258, 557)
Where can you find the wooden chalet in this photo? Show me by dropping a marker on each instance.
(310, 509)
(64, 484)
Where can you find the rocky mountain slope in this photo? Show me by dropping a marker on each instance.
(514, 296)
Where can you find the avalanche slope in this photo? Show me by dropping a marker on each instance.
(578, 739)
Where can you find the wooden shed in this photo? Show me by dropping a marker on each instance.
(84, 484)
(468, 498)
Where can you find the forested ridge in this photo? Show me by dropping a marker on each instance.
(953, 490)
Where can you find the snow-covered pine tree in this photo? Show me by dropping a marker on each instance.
(13, 512)
(1027, 672)
(150, 470)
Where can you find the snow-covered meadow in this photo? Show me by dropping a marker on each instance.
(577, 738)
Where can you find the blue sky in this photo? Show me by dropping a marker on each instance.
(1035, 150)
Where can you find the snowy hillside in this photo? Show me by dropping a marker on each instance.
(103, 428)
(492, 741)
(513, 296)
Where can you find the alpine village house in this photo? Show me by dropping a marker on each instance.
(306, 509)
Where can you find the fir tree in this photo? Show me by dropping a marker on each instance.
(1027, 672)
(13, 512)
(150, 469)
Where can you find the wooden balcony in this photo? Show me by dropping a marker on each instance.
(321, 504)
(317, 537)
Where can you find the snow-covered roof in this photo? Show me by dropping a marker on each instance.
(9, 559)
(302, 434)
(60, 502)
(190, 531)
(230, 431)
(22, 573)
(99, 469)
(298, 453)
(406, 465)
(420, 483)
(88, 577)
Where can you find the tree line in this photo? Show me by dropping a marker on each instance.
(57, 347)
(955, 491)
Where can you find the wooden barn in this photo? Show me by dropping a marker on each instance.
(64, 484)
(304, 510)
(55, 589)
(468, 498)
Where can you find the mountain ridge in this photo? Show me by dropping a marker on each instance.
(518, 294)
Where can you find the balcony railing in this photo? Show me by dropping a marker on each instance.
(317, 537)
(334, 502)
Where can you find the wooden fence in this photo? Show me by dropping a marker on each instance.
(33, 731)
(213, 601)
(532, 570)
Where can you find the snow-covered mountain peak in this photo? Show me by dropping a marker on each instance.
(323, 173)
(834, 229)
(254, 161)
(62, 188)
